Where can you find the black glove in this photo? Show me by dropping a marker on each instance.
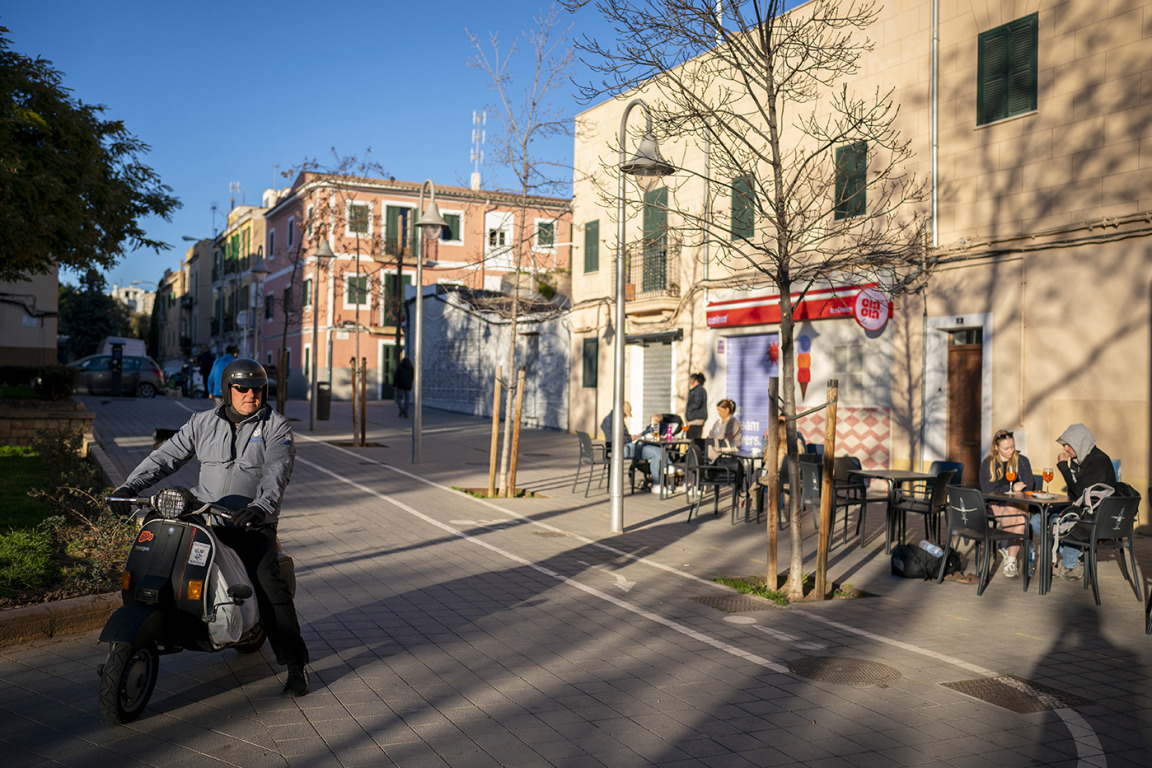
(249, 516)
(122, 508)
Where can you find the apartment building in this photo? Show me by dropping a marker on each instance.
(1031, 126)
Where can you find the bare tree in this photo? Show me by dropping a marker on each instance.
(815, 176)
(524, 118)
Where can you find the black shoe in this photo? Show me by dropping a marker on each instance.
(297, 684)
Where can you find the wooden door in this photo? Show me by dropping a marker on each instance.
(964, 396)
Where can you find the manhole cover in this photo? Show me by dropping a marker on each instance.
(736, 603)
(843, 670)
(1017, 694)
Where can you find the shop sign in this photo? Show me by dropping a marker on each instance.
(822, 304)
(871, 309)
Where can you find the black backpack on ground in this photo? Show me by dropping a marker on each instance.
(914, 563)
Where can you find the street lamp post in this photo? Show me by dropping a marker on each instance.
(646, 163)
(431, 223)
(323, 251)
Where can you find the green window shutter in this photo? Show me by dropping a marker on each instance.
(743, 208)
(452, 230)
(851, 180)
(592, 246)
(591, 361)
(358, 218)
(1006, 70)
(654, 270)
(307, 297)
(357, 290)
(545, 234)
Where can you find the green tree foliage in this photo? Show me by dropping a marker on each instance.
(88, 314)
(73, 191)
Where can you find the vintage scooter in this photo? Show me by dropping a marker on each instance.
(182, 590)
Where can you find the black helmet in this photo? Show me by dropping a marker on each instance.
(246, 373)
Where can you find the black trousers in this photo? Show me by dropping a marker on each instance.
(257, 550)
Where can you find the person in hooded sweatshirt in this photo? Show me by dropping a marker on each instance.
(1082, 464)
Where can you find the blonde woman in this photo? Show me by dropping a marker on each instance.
(1002, 461)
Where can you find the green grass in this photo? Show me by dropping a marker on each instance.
(26, 560)
(755, 585)
(20, 470)
(19, 393)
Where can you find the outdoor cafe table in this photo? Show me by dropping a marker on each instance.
(1046, 507)
(895, 478)
(667, 446)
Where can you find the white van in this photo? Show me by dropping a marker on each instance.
(134, 347)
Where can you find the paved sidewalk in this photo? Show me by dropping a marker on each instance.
(453, 631)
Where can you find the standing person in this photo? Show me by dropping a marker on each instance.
(217, 372)
(206, 360)
(402, 385)
(1002, 459)
(696, 411)
(246, 451)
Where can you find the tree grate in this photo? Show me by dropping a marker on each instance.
(736, 603)
(843, 670)
(1017, 694)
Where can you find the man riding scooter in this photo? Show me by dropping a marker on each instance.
(246, 452)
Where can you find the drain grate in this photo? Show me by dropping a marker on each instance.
(844, 670)
(1017, 694)
(736, 603)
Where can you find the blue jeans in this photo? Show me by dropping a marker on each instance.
(403, 398)
(653, 454)
(1069, 555)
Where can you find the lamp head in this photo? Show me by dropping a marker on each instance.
(324, 250)
(430, 221)
(647, 162)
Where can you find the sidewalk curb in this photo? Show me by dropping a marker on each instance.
(62, 617)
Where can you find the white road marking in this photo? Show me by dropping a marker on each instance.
(1088, 749)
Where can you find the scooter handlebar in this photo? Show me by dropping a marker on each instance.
(173, 503)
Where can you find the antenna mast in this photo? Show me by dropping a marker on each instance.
(479, 119)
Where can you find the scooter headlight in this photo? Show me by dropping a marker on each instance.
(171, 503)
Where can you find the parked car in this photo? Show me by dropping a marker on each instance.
(140, 376)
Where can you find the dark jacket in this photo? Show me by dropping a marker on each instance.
(697, 408)
(1095, 468)
(606, 428)
(404, 375)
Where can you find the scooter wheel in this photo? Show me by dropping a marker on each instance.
(127, 681)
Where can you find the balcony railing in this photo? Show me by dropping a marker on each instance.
(651, 274)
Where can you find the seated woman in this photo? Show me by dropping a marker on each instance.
(726, 432)
(1003, 460)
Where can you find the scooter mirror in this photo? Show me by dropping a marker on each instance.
(239, 591)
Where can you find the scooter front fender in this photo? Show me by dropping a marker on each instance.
(138, 624)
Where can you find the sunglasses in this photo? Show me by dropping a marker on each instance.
(242, 390)
(1002, 434)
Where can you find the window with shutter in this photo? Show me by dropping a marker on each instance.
(592, 246)
(1006, 66)
(654, 267)
(743, 202)
(591, 358)
(851, 181)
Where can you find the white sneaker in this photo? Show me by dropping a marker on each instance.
(655, 489)
(1010, 569)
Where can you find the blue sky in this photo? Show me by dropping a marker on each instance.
(226, 91)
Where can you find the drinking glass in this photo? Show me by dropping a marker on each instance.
(1047, 475)
(1010, 476)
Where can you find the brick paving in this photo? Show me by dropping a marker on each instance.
(453, 631)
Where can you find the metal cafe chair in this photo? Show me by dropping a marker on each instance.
(594, 455)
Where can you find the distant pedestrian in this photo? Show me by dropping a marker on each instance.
(214, 376)
(206, 361)
(402, 384)
(696, 410)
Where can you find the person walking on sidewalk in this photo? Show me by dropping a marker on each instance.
(206, 361)
(402, 385)
(231, 352)
(246, 451)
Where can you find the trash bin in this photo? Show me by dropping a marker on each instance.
(323, 400)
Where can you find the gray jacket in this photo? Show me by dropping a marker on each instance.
(248, 464)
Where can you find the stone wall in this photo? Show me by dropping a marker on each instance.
(20, 420)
